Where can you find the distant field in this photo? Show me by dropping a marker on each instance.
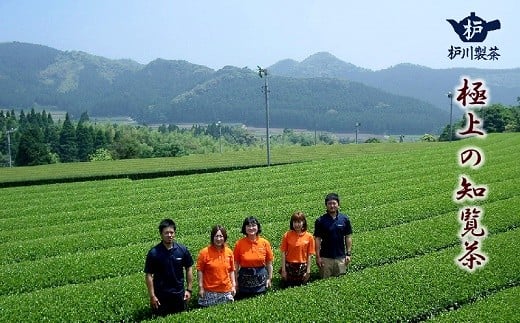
(193, 163)
(75, 251)
(55, 114)
(362, 136)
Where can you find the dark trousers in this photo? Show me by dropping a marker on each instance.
(171, 303)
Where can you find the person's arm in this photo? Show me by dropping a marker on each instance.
(269, 266)
(154, 301)
(237, 269)
(189, 283)
(317, 241)
(201, 283)
(269, 257)
(308, 272)
(233, 283)
(284, 273)
(348, 244)
(283, 250)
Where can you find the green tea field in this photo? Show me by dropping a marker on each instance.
(74, 250)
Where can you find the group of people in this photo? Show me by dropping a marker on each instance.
(226, 275)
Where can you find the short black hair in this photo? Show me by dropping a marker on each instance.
(251, 220)
(167, 223)
(331, 196)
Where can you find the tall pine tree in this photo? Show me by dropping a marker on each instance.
(68, 150)
(85, 138)
(32, 149)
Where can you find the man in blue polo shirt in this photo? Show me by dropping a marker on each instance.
(164, 270)
(333, 237)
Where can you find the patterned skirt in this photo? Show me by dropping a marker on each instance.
(295, 271)
(252, 280)
(212, 298)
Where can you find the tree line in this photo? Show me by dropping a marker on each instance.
(36, 139)
(495, 118)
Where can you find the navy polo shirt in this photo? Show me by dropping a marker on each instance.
(167, 267)
(332, 232)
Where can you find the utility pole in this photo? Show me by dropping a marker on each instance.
(315, 125)
(450, 96)
(263, 72)
(357, 130)
(220, 135)
(9, 132)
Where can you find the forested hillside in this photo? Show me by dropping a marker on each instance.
(322, 103)
(170, 92)
(321, 92)
(421, 82)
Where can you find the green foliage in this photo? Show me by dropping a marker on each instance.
(67, 142)
(96, 234)
(494, 118)
(78, 143)
(372, 140)
(455, 127)
(289, 136)
(428, 138)
(190, 164)
(100, 154)
(32, 149)
(84, 138)
(500, 306)
(427, 285)
(68, 147)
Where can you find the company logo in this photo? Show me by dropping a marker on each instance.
(473, 28)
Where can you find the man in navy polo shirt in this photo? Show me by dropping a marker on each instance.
(164, 270)
(333, 237)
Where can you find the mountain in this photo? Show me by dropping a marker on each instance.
(318, 93)
(321, 64)
(322, 103)
(35, 75)
(423, 83)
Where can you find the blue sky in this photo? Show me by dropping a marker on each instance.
(369, 34)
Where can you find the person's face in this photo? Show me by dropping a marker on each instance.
(251, 229)
(167, 235)
(218, 239)
(332, 206)
(298, 225)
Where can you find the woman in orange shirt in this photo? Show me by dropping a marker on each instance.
(253, 260)
(297, 248)
(216, 270)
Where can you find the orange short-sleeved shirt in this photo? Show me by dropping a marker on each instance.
(297, 248)
(253, 253)
(215, 266)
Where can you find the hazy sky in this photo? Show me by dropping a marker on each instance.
(370, 34)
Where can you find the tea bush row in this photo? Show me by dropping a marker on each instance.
(411, 289)
(124, 218)
(88, 197)
(387, 217)
(85, 198)
(393, 243)
(199, 163)
(503, 305)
